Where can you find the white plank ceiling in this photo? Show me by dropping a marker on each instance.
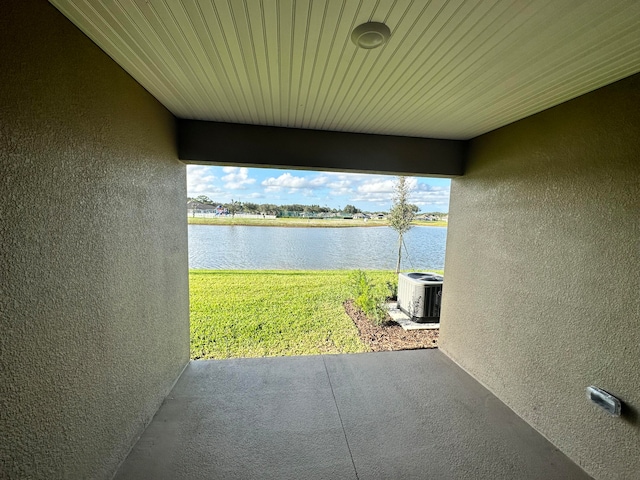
(451, 69)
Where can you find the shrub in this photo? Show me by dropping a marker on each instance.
(369, 297)
(392, 286)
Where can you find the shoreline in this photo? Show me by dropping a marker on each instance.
(300, 223)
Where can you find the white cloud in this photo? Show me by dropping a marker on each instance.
(360, 186)
(237, 178)
(426, 194)
(340, 184)
(318, 182)
(340, 188)
(200, 181)
(286, 180)
(309, 193)
(378, 190)
(294, 184)
(377, 187)
(381, 190)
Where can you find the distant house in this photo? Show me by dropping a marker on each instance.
(432, 218)
(197, 207)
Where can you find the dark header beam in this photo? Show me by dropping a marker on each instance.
(257, 146)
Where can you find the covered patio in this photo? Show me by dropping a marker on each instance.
(407, 414)
(532, 108)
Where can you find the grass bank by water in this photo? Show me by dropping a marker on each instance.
(241, 313)
(424, 223)
(300, 222)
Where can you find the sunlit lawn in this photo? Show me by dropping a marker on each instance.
(242, 313)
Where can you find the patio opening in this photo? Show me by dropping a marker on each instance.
(277, 258)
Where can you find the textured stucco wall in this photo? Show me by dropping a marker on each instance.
(94, 323)
(542, 296)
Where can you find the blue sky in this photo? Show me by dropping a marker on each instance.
(332, 189)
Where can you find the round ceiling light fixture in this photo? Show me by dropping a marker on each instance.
(370, 35)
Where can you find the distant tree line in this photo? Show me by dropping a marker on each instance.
(296, 209)
(270, 208)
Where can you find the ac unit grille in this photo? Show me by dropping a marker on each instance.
(420, 296)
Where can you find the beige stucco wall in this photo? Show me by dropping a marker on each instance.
(94, 323)
(542, 291)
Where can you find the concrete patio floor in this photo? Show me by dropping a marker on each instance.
(392, 415)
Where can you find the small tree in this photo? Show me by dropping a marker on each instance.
(233, 208)
(351, 210)
(401, 214)
(369, 297)
(192, 203)
(203, 199)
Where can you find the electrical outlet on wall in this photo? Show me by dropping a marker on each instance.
(605, 400)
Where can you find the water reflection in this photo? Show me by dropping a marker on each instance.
(282, 248)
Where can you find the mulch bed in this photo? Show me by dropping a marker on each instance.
(390, 335)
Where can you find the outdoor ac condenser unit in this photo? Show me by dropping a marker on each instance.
(420, 295)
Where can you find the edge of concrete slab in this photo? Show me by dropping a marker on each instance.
(405, 322)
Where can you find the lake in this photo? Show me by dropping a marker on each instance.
(297, 248)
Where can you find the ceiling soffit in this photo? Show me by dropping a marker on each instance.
(451, 69)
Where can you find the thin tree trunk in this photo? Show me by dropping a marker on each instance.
(399, 253)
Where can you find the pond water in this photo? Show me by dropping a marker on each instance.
(283, 248)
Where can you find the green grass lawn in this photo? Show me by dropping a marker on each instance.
(241, 313)
(435, 223)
